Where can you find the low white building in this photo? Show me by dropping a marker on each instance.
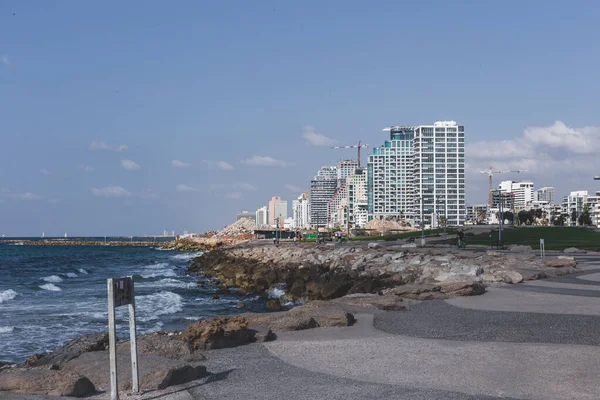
(523, 193)
(288, 223)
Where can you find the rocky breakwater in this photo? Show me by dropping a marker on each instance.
(198, 244)
(310, 272)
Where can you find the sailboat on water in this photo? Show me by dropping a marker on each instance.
(65, 235)
(43, 235)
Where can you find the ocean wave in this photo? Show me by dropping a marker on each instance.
(7, 295)
(276, 293)
(158, 274)
(52, 279)
(187, 256)
(150, 307)
(169, 282)
(83, 271)
(51, 287)
(162, 249)
(6, 329)
(71, 275)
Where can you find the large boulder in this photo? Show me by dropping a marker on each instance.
(217, 333)
(441, 291)
(387, 302)
(569, 250)
(70, 350)
(164, 345)
(46, 382)
(154, 372)
(560, 262)
(311, 315)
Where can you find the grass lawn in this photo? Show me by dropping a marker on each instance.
(404, 235)
(555, 238)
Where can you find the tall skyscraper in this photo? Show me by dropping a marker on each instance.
(390, 176)
(322, 189)
(301, 212)
(439, 172)
(419, 174)
(545, 194)
(277, 209)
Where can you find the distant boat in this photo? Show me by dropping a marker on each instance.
(65, 234)
(43, 235)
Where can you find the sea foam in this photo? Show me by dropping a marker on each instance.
(7, 295)
(6, 329)
(71, 274)
(151, 306)
(51, 287)
(52, 279)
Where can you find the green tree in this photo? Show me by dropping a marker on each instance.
(585, 219)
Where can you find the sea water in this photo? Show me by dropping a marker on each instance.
(52, 294)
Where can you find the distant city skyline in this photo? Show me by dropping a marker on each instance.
(153, 118)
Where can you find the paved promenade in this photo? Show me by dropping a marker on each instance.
(536, 340)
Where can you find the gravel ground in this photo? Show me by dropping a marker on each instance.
(439, 320)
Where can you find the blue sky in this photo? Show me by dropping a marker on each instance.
(98, 99)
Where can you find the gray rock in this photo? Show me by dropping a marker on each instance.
(70, 350)
(572, 250)
(159, 344)
(372, 245)
(416, 260)
(154, 372)
(519, 247)
(409, 245)
(46, 382)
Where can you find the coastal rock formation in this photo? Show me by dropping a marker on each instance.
(154, 372)
(46, 382)
(217, 333)
(326, 272)
(311, 315)
(164, 344)
(70, 350)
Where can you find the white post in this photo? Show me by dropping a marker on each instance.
(112, 345)
(542, 249)
(133, 342)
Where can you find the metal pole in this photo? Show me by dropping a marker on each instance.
(133, 342)
(422, 222)
(112, 345)
(500, 221)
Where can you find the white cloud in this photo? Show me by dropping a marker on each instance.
(44, 172)
(293, 188)
(222, 165)
(87, 168)
(148, 194)
(233, 196)
(260, 161)
(6, 60)
(244, 186)
(103, 146)
(111, 191)
(312, 137)
(555, 155)
(131, 165)
(185, 188)
(180, 164)
(24, 196)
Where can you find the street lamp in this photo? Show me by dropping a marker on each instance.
(442, 201)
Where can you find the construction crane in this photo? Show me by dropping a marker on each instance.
(359, 146)
(491, 173)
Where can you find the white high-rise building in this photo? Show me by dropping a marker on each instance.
(301, 212)
(262, 216)
(439, 173)
(545, 194)
(390, 168)
(419, 174)
(523, 193)
(322, 189)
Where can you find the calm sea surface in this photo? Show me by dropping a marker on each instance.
(51, 294)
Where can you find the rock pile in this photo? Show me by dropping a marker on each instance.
(326, 272)
(243, 226)
(387, 226)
